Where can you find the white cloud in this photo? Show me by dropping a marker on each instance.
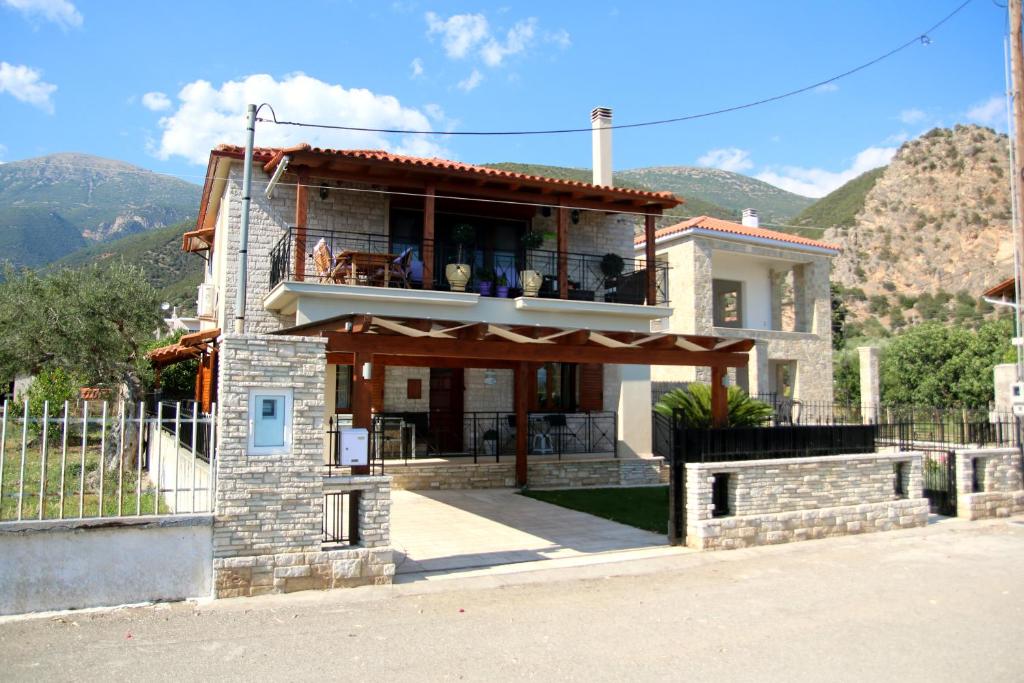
(912, 116)
(817, 182)
(23, 82)
(517, 40)
(560, 38)
(156, 101)
(209, 115)
(897, 138)
(417, 67)
(991, 112)
(728, 159)
(471, 81)
(827, 87)
(460, 33)
(60, 12)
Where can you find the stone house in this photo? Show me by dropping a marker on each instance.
(741, 280)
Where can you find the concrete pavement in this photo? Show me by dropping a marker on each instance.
(941, 603)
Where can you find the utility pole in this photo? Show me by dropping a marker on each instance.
(1017, 155)
(243, 237)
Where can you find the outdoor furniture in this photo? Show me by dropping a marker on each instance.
(557, 424)
(401, 268)
(327, 270)
(364, 267)
(541, 442)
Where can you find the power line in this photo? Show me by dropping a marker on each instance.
(922, 38)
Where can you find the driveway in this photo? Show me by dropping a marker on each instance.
(436, 531)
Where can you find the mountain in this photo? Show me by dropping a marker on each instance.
(929, 233)
(174, 273)
(636, 179)
(52, 205)
(840, 207)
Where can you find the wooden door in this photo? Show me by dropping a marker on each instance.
(446, 389)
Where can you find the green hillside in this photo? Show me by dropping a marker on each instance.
(840, 207)
(32, 237)
(174, 273)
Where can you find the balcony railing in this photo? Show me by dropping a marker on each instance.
(493, 272)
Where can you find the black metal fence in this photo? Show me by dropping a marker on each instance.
(341, 518)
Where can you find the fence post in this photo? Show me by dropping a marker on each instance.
(42, 457)
(159, 454)
(24, 440)
(3, 448)
(103, 452)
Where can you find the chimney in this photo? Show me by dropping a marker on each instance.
(750, 218)
(601, 140)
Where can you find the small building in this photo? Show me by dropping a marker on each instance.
(741, 280)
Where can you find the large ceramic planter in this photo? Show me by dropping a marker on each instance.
(457, 275)
(532, 280)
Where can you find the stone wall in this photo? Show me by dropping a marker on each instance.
(269, 509)
(795, 499)
(547, 474)
(996, 472)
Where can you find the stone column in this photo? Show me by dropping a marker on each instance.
(777, 282)
(870, 384)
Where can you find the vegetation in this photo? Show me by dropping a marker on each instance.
(694, 406)
(645, 507)
(840, 207)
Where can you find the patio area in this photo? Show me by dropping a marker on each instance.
(446, 531)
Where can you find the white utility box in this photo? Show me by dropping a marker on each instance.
(354, 446)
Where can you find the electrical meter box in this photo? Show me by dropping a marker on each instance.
(354, 446)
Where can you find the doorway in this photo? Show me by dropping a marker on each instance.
(446, 407)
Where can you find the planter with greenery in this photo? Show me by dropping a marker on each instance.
(612, 266)
(694, 407)
(458, 273)
(502, 286)
(484, 281)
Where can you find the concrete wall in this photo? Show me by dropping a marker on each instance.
(70, 564)
(171, 469)
(1000, 483)
(794, 499)
(755, 275)
(546, 474)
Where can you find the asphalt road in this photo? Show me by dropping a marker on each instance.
(943, 603)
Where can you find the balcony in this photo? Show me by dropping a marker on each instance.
(379, 261)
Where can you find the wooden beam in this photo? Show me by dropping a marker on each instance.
(574, 337)
(341, 342)
(428, 237)
(522, 398)
(301, 217)
(652, 272)
(563, 251)
(421, 324)
(431, 362)
(719, 398)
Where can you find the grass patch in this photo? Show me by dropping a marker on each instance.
(645, 508)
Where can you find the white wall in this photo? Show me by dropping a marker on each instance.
(756, 279)
(64, 564)
(171, 469)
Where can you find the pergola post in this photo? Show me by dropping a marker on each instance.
(563, 251)
(362, 398)
(522, 423)
(719, 397)
(428, 237)
(652, 273)
(301, 219)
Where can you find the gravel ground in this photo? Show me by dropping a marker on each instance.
(935, 604)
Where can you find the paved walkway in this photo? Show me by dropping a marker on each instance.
(444, 531)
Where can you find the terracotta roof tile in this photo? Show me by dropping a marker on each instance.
(719, 225)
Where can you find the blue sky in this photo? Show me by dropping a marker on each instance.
(157, 84)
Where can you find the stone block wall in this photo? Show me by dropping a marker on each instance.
(543, 474)
(1000, 482)
(269, 509)
(793, 499)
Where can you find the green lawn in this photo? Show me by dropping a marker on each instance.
(646, 508)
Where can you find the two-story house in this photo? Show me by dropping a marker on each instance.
(741, 280)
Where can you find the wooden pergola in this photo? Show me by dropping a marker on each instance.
(380, 341)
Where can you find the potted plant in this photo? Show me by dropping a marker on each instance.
(612, 266)
(531, 279)
(502, 286)
(484, 281)
(458, 273)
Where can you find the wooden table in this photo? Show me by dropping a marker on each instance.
(367, 263)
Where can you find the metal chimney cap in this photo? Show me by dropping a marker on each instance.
(601, 113)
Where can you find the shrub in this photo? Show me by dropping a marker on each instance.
(694, 406)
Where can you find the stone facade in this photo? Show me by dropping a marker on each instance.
(793, 499)
(268, 522)
(989, 483)
(547, 474)
(809, 344)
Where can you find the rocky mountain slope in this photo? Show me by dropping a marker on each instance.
(52, 205)
(933, 226)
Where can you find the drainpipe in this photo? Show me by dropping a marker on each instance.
(243, 237)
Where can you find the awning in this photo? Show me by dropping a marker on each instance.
(1006, 289)
(189, 346)
(197, 240)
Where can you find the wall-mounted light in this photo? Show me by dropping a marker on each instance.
(367, 370)
(575, 215)
(323, 192)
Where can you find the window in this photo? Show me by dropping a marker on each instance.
(342, 388)
(270, 421)
(728, 303)
(556, 387)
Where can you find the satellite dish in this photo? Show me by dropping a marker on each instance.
(165, 306)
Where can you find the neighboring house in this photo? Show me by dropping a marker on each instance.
(358, 246)
(740, 280)
(176, 323)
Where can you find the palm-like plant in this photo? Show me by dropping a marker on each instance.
(694, 407)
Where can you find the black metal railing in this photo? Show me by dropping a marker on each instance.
(493, 272)
(341, 518)
(192, 426)
(757, 443)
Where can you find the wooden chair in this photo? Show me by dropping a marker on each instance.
(401, 267)
(323, 261)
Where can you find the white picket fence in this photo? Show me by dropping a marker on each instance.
(89, 459)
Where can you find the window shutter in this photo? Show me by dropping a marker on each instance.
(591, 386)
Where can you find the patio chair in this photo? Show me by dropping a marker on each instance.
(556, 427)
(323, 261)
(401, 267)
